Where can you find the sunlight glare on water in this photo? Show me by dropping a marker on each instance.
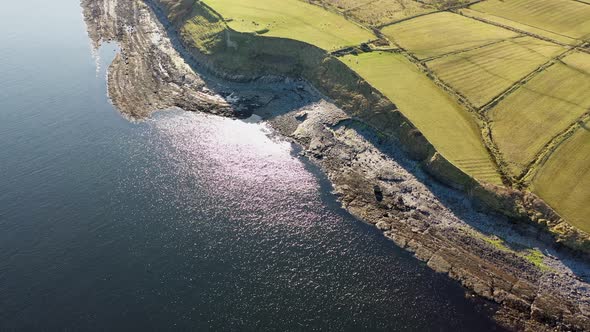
(239, 163)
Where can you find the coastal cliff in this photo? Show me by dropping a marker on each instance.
(247, 56)
(372, 154)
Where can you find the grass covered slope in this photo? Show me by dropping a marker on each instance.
(291, 19)
(442, 121)
(440, 33)
(564, 180)
(527, 120)
(203, 29)
(483, 73)
(566, 18)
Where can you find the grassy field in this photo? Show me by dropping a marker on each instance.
(563, 17)
(492, 19)
(579, 61)
(291, 19)
(444, 4)
(524, 122)
(483, 73)
(386, 11)
(441, 33)
(377, 12)
(443, 122)
(564, 180)
(380, 12)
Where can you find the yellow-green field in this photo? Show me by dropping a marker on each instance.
(386, 11)
(524, 122)
(521, 27)
(381, 12)
(563, 17)
(442, 121)
(440, 33)
(564, 180)
(377, 12)
(291, 19)
(444, 4)
(483, 73)
(579, 61)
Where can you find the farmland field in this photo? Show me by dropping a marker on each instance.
(443, 4)
(386, 11)
(444, 32)
(545, 106)
(564, 180)
(442, 121)
(377, 12)
(484, 73)
(579, 61)
(492, 19)
(294, 20)
(564, 17)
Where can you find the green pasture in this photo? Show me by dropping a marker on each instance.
(567, 18)
(449, 127)
(484, 73)
(527, 120)
(441, 33)
(291, 19)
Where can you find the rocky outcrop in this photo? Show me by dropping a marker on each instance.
(147, 74)
(373, 185)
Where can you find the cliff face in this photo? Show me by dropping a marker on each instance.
(243, 56)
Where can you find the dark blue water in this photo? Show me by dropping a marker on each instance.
(181, 222)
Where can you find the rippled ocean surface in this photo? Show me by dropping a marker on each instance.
(180, 222)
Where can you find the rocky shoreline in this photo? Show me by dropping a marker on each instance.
(538, 287)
